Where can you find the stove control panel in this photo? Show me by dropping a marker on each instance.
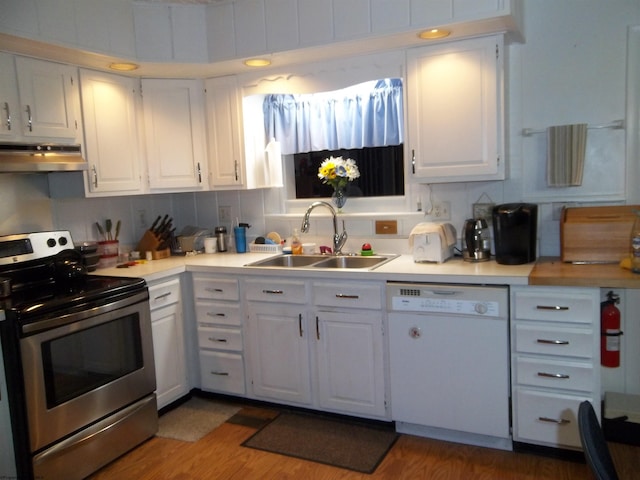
(24, 247)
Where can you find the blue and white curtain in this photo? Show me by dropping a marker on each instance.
(321, 121)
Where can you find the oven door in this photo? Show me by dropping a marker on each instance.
(82, 367)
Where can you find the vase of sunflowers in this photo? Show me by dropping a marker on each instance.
(338, 172)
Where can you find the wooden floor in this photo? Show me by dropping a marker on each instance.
(219, 455)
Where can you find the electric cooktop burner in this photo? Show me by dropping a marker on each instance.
(47, 277)
(33, 303)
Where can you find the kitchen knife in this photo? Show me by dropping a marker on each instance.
(117, 230)
(153, 225)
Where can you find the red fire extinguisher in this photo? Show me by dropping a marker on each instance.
(610, 331)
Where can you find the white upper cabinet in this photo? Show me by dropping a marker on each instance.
(175, 134)
(39, 100)
(9, 103)
(109, 106)
(454, 111)
(224, 129)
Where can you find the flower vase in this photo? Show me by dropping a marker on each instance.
(339, 198)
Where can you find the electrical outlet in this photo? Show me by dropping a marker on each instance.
(224, 215)
(441, 211)
(142, 219)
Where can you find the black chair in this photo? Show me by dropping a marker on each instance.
(596, 450)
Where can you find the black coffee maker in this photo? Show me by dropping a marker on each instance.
(515, 231)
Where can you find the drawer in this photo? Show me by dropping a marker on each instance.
(547, 418)
(564, 341)
(555, 374)
(575, 306)
(222, 372)
(218, 313)
(337, 294)
(163, 294)
(273, 290)
(215, 288)
(220, 338)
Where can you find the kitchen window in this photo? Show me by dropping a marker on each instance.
(363, 122)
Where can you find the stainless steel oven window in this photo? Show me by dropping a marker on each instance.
(88, 359)
(48, 424)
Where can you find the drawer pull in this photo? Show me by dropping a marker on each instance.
(562, 421)
(300, 331)
(553, 342)
(220, 374)
(552, 307)
(273, 292)
(214, 290)
(162, 296)
(219, 340)
(214, 314)
(553, 375)
(344, 295)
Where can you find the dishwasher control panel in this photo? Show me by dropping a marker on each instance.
(486, 301)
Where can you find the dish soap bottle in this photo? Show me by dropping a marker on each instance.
(296, 244)
(635, 244)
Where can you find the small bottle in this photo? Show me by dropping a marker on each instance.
(296, 244)
(635, 245)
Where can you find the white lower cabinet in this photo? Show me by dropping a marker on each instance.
(167, 327)
(220, 343)
(554, 362)
(317, 344)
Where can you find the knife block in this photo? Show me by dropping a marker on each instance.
(150, 243)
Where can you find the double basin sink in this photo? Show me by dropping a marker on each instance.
(351, 262)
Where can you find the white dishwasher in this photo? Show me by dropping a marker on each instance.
(449, 362)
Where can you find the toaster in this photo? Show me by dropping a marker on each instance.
(432, 242)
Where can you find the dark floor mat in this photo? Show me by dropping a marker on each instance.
(354, 446)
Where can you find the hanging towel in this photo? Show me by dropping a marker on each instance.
(566, 146)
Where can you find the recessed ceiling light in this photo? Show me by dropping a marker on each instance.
(257, 62)
(123, 66)
(434, 33)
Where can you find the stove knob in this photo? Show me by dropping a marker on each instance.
(480, 308)
(51, 242)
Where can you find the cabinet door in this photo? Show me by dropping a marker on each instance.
(111, 140)
(174, 133)
(49, 99)
(454, 111)
(9, 103)
(350, 362)
(279, 352)
(168, 350)
(224, 128)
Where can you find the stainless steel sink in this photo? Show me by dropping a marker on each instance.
(324, 261)
(288, 261)
(353, 262)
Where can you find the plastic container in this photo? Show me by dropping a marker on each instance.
(296, 244)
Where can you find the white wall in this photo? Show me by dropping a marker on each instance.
(571, 68)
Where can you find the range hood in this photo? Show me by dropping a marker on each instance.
(42, 157)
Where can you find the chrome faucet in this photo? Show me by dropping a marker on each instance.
(339, 239)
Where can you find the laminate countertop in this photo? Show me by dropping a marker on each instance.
(552, 271)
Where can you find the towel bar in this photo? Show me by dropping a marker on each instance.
(616, 125)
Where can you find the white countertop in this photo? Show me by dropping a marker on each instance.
(402, 268)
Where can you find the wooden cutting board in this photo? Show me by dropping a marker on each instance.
(596, 234)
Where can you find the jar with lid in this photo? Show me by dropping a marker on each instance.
(221, 238)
